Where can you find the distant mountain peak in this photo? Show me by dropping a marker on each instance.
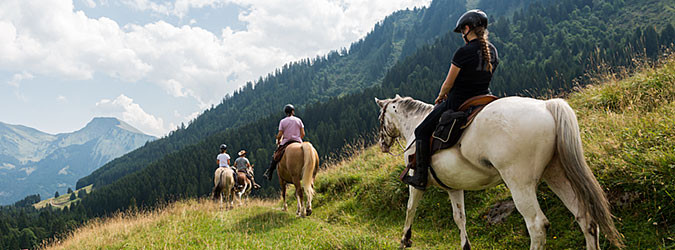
(109, 122)
(29, 157)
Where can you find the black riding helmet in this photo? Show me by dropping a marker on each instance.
(288, 109)
(223, 146)
(473, 18)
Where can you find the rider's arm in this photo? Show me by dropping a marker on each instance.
(228, 162)
(302, 133)
(279, 135)
(448, 83)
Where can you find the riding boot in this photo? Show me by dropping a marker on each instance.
(255, 185)
(420, 176)
(236, 179)
(268, 173)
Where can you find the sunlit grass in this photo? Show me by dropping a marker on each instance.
(628, 129)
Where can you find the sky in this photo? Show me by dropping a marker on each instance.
(155, 64)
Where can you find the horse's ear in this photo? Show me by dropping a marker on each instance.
(379, 102)
(398, 96)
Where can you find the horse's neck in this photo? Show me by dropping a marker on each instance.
(408, 123)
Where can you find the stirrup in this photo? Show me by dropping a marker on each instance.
(407, 179)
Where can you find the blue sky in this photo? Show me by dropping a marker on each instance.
(155, 64)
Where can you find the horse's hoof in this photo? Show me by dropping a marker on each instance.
(309, 212)
(405, 243)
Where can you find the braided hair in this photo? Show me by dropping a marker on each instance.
(482, 34)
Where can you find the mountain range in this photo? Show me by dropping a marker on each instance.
(32, 161)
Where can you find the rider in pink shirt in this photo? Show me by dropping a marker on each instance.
(291, 130)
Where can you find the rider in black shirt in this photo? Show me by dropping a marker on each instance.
(469, 76)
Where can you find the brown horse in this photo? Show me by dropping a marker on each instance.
(223, 181)
(299, 166)
(246, 184)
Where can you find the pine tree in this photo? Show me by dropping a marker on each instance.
(81, 194)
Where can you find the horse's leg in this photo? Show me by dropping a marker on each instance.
(457, 199)
(413, 201)
(299, 196)
(282, 184)
(524, 193)
(308, 206)
(239, 194)
(560, 185)
(214, 192)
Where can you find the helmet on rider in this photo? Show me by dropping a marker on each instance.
(223, 146)
(288, 109)
(473, 18)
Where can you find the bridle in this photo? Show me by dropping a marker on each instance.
(389, 133)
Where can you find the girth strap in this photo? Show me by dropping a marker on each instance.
(412, 164)
(433, 173)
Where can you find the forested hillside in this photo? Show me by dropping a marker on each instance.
(525, 41)
(332, 124)
(339, 121)
(627, 133)
(304, 82)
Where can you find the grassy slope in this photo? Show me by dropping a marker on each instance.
(63, 200)
(629, 137)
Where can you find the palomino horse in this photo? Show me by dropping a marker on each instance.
(513, 140)
(299, 166)
(223, 183)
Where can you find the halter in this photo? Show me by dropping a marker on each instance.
(388, 133)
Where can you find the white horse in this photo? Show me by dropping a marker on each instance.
(515, 140)
(223, 181)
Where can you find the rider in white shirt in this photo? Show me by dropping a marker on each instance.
(223, 160)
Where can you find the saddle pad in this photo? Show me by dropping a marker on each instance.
(449, 130)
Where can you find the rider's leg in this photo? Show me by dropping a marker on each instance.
(236, 177)
(422, 148)
(250, 177)
(268, 173)
(273, 164)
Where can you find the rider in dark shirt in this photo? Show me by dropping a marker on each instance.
(470, 74)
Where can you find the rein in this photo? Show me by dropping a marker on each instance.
(404, 149)
(387, 133)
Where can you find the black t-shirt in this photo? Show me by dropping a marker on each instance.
(473, 78)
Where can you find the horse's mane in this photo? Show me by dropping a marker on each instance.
(411, 106)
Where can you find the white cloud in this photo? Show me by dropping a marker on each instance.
(125, 109)
(50, 38)
(61, 99)
(89, 3)
(17, 78)
(179, 8)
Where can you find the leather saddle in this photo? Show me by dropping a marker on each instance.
(450, 127)
(474, 105)
(452, 123)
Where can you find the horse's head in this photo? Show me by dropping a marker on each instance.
(388, 131)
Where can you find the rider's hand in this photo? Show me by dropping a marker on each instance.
(440, 99)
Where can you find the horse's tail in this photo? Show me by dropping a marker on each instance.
(585, 186)
(218, 187)
(309, 168)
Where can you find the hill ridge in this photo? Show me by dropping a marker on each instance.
(360, 204)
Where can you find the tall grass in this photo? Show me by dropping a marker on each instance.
(627, 125)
